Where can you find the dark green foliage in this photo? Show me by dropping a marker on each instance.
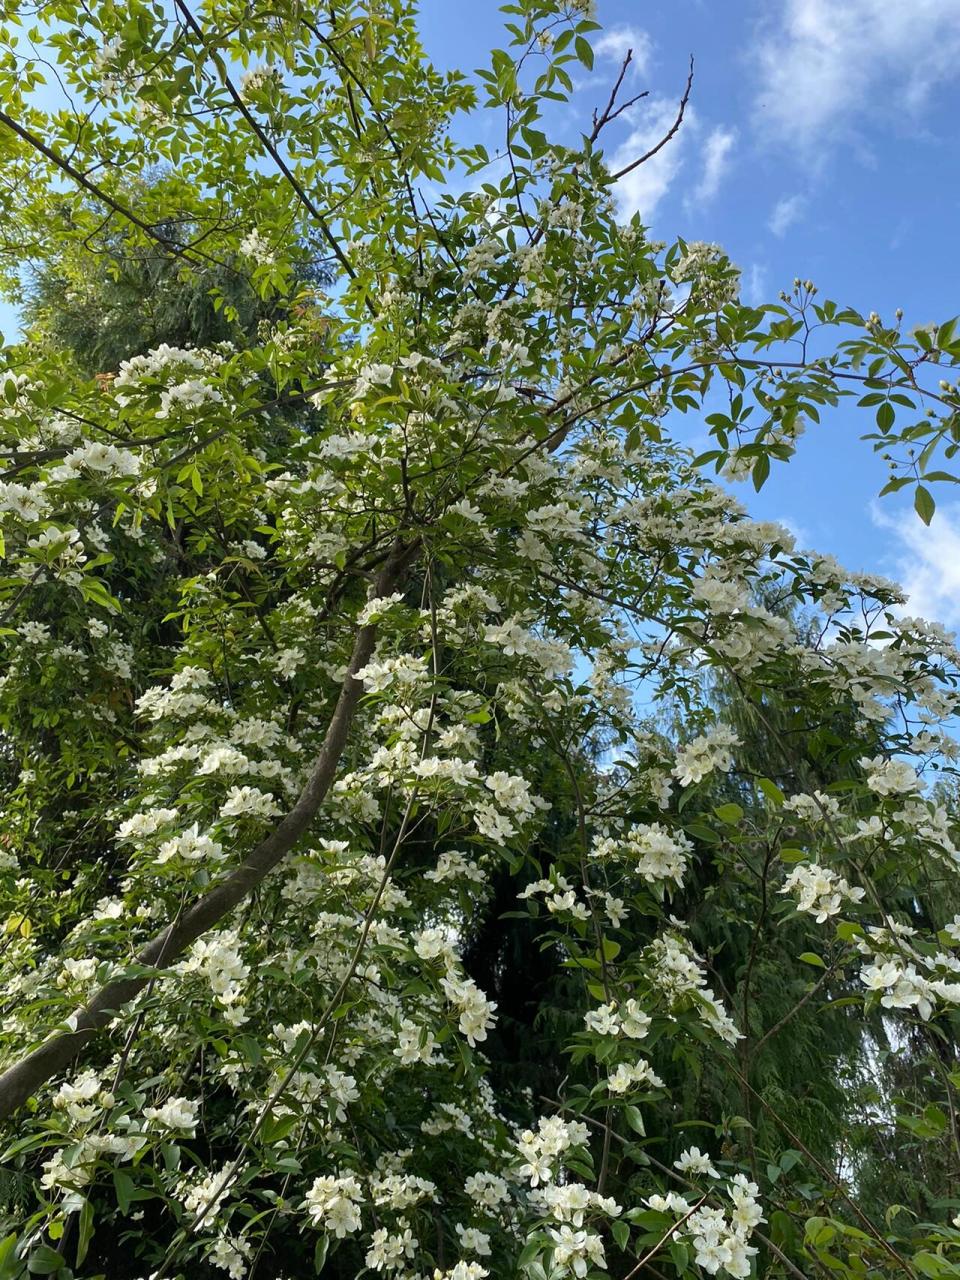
(122, 297)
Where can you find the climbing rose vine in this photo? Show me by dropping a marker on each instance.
(390, 883)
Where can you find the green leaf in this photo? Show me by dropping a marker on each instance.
(700, 831)
(934, 1265)
(771, 791)
(810, 957)
(320, 1254)
(634, 1119)
(729, 813)
(886, 415)
(85, 1231)
(528, 1253)
(44, 1261)
(819, 1232)
(123, 1186)
(946, 333)
(923, 503)
(9, 1264)
(792, 855)
(935, 1118)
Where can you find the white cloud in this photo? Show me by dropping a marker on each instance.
(785, 213)
(926, 561)
(755, 287)
(716, 161)
(641, 190)
(798, 531)
(824, 65)
(613, 44)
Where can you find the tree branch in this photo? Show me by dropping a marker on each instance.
(648, 155)
(60, 162)
(609, 114)
(22, 1079)
(267, 145)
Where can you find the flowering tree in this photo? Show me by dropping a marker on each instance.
(359, 914)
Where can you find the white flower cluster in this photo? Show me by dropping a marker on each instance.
(576, 1251)
(83, 1097)
(722, 595)
(476, 1011)
(712, 278)
(676, 972)
(190, 846)
(369, 376)
(217, 958)
(514, 639)
(190, 394)
(705, 754)
(719, 1242)
(560, 897)
(259, 80)
(908, 977)
(389, 1249)
(254, 246)
(177, 1115)
(654, 852)
(694, 1161)
(812, 808)
(163, 362)
(820, 891)
(539, 1151)
(333, 1203)
(630, 1075)
(249, 802)
(92, 455)
(455, 865)
(572, 1201)
(487, 1189)
(611, 1019)
(206, 1197)
(401, 673)
(75, 1166)
(890, 777)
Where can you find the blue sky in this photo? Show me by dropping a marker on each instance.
(821, 143)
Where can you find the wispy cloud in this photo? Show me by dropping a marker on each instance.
(755, 287)
(825, 66)
(926, 561)
(799, 531)
(715, 157)
(641, 190)
(615, 43)
(785, 213)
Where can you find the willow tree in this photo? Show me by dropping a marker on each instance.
(326, 655)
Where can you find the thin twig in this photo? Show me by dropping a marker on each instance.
(671, 132)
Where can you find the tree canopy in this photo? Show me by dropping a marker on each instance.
(443, 835)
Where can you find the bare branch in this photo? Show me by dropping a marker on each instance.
(609, 113)
(671, 132)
